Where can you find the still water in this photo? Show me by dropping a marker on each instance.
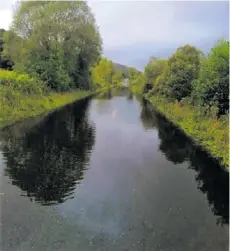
(109, 173)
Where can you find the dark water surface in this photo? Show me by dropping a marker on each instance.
(109, 174)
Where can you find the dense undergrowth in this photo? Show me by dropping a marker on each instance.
(22, 96)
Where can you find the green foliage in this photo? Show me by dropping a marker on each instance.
(189, 74)
(137, 84)
(105, 75)
(20, 82)
(102, 73)
(5, 62)
(117, 78)
(160, 86)
(212, 86)
(183, 69)
(56, 42)
(132, 74)
(155, 74)
(16, 105)
(192, 91)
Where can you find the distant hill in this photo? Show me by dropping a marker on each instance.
(122, 68)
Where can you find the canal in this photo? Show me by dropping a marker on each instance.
(109, 173)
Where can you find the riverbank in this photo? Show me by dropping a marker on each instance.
(16, 105)
(210, 133)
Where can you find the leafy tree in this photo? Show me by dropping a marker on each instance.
(106, 74)
(56, 41)
(160, 86)
(212, 86)
(5, 62)
(102, 73)
(153, 70)
(132, 73)
(183, 69)
(117, 78)
(137, 84)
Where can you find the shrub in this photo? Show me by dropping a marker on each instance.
(20, 82)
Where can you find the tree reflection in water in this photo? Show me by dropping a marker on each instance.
(49, 160)
(129, 95)
(211, 179)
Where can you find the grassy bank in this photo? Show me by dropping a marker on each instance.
(16, 105)
(207, 131)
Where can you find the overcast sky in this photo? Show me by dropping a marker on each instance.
(132, 31)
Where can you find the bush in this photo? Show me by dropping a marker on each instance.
(20, 82)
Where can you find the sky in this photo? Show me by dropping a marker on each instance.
(133, 31)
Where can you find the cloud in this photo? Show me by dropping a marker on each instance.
(132, 31)
(123, 23)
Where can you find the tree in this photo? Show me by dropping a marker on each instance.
(56, 41)
(5, 62)
(183, 69)
(212, 86)
(137, 85)
(153, 70)
(106, 74)
(102, 73)
(132, 73)
(117, 78)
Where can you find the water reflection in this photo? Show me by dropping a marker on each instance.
(129, 96)
(104, 95)
(211, 179)
(47, 161)
(148, 117)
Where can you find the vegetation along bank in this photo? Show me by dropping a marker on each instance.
(50, 56)
(20, 97)
(192, 90)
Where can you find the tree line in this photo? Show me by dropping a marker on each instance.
(189, 75)
(57, 43)
(106, 75)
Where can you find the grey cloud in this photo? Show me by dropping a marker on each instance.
(134, 31)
